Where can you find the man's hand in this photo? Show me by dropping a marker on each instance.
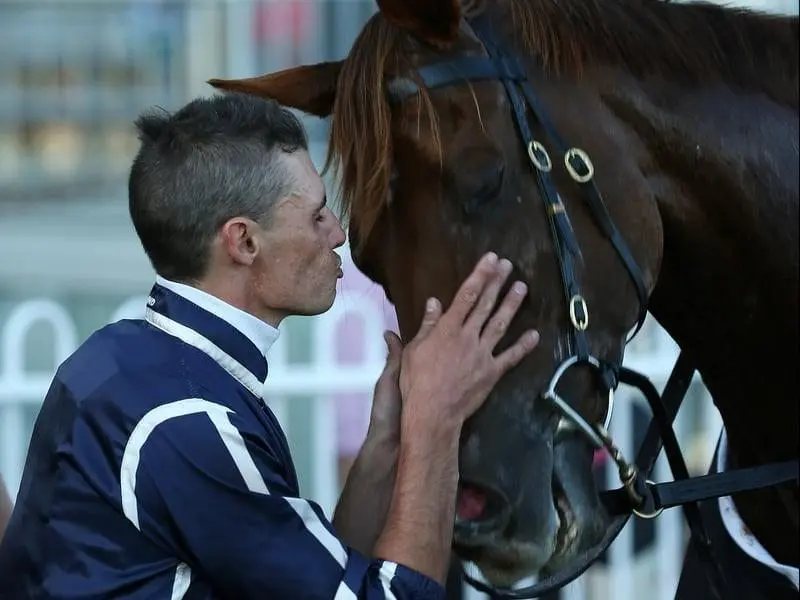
(360, 514)
(449, 367)
(384, 422)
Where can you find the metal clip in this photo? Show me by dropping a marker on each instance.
(647, 515)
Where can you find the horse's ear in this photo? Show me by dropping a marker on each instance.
(308, 88)
(433, 21)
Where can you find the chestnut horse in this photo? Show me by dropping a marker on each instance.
(686, 117)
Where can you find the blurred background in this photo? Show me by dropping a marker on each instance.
(73, 76)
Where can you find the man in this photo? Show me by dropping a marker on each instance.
(157, 471)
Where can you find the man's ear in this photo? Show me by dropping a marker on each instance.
(435, 22)
(308, 88)
(237, 240)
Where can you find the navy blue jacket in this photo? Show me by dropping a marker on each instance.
(156, 471)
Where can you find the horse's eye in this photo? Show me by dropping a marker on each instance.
(485, 186)
(492, 182)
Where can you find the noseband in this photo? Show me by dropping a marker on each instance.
(637, 495)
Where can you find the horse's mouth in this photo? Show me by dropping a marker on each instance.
(504, 562)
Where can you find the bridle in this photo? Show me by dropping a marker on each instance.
(637, 495)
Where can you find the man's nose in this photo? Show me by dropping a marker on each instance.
(339, 236)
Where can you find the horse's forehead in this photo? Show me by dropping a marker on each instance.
(459, 120)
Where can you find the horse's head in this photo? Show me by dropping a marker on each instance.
(431, 179)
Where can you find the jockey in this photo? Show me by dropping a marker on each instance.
(157, 471)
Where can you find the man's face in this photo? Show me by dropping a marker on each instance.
(297, 268)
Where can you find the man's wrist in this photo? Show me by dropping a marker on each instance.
(382, 439)
(378, 456)
(429, 427)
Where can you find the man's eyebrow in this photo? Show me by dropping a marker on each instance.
(323, 203)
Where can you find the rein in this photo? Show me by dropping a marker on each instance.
(637, 495)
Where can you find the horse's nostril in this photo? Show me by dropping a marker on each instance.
(479, 503)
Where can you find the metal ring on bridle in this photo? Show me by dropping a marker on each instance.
(533, 147)
(566, 424)
(575, 303)
(572, 152)
(574, 417)
(651, 515)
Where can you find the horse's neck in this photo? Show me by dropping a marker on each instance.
(728, 287)
(737, 318)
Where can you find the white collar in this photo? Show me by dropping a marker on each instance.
(262, 334)
(740, 533)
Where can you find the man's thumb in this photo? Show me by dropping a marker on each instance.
(395, 348)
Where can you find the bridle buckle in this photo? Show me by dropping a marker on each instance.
(578, 312)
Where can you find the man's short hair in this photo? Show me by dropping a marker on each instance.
(214, 159)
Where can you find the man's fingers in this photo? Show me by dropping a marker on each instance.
(469, 292)
(512, 355)
(488, 298)
(496, 327)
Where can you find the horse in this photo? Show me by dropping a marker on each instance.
(627, 156)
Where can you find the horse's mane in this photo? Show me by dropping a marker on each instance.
(690, 43)
(360, 149)
(685, 42)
